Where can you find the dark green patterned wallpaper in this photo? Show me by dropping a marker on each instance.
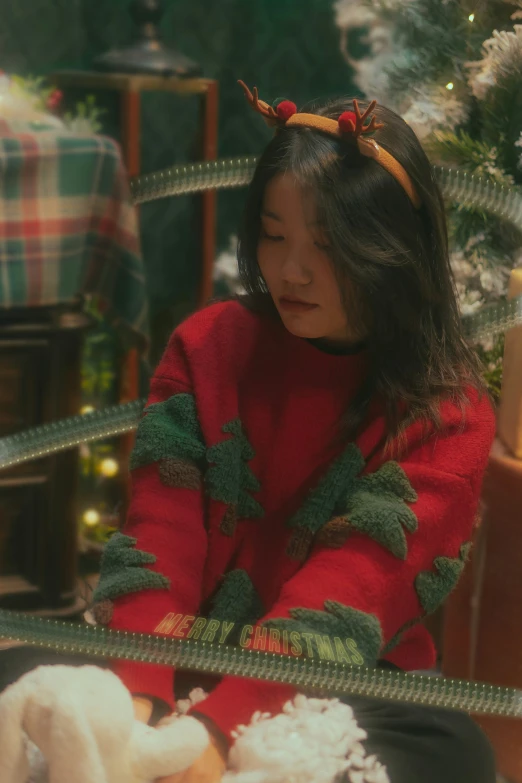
(287, 47)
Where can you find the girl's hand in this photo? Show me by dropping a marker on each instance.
(142, 708)
(208, 768)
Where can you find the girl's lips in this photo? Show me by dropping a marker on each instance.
(294, 306)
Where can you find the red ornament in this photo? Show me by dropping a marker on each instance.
(285, 110)
(54, 100)
(347, 122)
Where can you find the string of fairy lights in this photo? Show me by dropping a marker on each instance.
(100, 468)
(451, 85)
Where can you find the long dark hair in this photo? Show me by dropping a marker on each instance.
(394, 256)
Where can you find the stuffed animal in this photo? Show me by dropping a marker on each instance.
(60, 724)
(81, 719)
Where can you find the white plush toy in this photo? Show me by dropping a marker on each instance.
(81, 719)
(61, 724)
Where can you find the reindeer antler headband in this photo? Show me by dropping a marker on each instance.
(350, 124)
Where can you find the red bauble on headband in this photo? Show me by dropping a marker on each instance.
(347, 122)
(285, 110)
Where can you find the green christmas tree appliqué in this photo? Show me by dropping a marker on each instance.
(170, 435)
(323, 502)
(229, 478)
(123, 572)
(236, 601)
(338, 620)
(433, 587)
(345, 502)
(377, 507)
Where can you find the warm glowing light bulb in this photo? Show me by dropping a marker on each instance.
(86, 409)
(471, 17)
(109, 467)
(91, 517)
(449, 86)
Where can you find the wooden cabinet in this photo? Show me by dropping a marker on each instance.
(40, 354)
(483, 620)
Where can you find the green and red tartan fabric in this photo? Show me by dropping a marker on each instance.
(67, 224)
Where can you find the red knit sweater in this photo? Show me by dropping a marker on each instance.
(246, 508)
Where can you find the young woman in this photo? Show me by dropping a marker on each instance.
(312, 454)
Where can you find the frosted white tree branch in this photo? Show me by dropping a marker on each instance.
(502, 55)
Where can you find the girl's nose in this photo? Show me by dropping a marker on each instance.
(294, 271)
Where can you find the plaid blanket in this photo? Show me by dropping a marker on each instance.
(68, 228)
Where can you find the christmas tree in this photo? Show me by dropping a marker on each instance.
(452, 69)
(433, 587)
(336, 620)
(123, 570)
(230, 479)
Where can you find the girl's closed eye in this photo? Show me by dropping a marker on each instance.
(323, 247)
(271, 237)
